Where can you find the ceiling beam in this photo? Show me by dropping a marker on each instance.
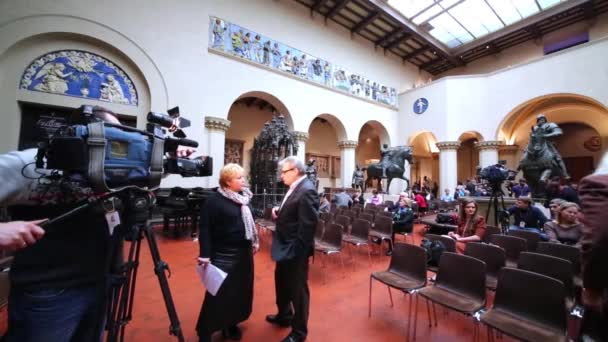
(429, 63)
(417, 52)
(397, 41)
(365, 22)
(336, 9)
(534, 31)
(522, 24)
(389, 37)
(317, 5)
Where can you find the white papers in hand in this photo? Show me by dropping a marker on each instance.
(212, 277)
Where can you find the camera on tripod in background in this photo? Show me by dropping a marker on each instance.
(495, 175)
(112, 156)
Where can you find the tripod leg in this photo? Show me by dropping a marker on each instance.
(159, 268)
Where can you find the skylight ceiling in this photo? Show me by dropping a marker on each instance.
(457, 22)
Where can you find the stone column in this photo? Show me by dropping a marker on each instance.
(347, 161)
(216, 140)
(448, 164)
(301, 138)
(488, 152)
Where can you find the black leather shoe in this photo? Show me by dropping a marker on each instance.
(232, 333)
(279, 320)
(294, 337)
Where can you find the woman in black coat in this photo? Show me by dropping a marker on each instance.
(228, 239)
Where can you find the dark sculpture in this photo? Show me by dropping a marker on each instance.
(311, 172)
(391, 166)
(541, 160)
(274, 143)
(358, 178)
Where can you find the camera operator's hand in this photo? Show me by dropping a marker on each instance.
(184, 152)
(203, 261)
(20, 234)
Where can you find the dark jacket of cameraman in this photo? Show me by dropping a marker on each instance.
(71, 256)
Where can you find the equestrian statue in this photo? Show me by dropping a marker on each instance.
(391, 165)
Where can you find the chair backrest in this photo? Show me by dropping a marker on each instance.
(531, 297)
(409, 260)
(327, 217)
(333, 209)
(380, 207)
(462, 274)
(369, 212)
(351, 214)
(268, 213)
(370, 206)
(389, 203)
(491, 230)
(344, 221)
(367, 217)
(448, 242)
(319, 230)
(386, 213)
(494, 256)
(532, 238)
(558, 250)
(361, 228)
(333, 235)
(383, 224)
(512, 245)
(557, 268)
(357, 209)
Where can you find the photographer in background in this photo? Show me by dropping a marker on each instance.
(58, 283)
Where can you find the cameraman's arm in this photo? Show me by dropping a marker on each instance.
(19, 234)
(15, 186)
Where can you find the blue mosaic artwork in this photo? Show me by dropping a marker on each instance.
(81, 74)
(241, 42)
(420, 105)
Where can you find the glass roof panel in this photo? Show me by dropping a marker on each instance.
(409, 8)
(525, 7)
(427, 14)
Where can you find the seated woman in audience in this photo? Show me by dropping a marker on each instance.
(358, 198)
(403, 220)
(471, 227)
(554, 207)
(566, 228)
(324, 205)
(376, 198)
(228, 239)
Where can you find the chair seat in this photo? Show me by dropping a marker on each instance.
(398, 281)
(521, 328)
(511, 263)
(355, 240)
(451, 299)
(324, 247)
(380, 235)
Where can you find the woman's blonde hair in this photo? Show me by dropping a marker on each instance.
(229, 172)
(565, 205)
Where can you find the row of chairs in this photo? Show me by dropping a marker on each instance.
(531, 301)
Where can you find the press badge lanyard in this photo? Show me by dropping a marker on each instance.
(112, 216)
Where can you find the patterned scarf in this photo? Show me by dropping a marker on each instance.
(250, 232)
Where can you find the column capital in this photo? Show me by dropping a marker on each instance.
(220, 124)
(489, 144)
(345, 144)
(447, 145)
(509, 148)
(301, 136)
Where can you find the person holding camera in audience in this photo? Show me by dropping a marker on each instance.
(403, 221)
(471, 226)
(228, 239)
(566, 228)
(57, 283)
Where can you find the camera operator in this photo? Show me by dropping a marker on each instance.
(58, 283)
(19, 234)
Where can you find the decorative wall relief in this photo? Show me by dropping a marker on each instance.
(81, 74)
(241, 42)
(322, 162)
(233, 151)
(593, 144)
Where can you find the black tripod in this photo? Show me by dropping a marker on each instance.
(496, 196)
(123, 274)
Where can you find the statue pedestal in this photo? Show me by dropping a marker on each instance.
(484, 206)
(397, 186)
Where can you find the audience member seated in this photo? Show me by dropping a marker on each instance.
(358, 198)
(446, 197)
(554, 207)
(566, 228)
(403, 220)
(419, 198)
(521, 189)
(376, 198)
(324, 205)
(526, 216)
(394, 207)
(556, 190)
(343, 200)
(471, 227)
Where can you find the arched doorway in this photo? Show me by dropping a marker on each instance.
(372, 136)
(584, 122)
(426, 157)
(247, 116)
(468, 156)
(324, 133)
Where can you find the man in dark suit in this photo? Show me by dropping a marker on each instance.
(292, 244)
(593, 191)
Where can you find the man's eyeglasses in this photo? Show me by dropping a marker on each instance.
(285, 171)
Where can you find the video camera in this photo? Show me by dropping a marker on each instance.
(496, 174)
(113, 157)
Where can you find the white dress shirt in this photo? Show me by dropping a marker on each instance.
(291, 187)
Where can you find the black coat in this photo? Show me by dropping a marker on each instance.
(296, 224)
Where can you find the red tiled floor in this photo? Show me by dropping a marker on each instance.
(338, 308)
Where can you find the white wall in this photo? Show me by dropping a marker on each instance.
(167, 44)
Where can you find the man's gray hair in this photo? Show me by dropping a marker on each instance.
(294, 162)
